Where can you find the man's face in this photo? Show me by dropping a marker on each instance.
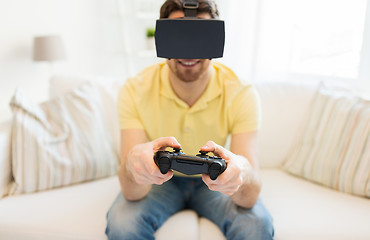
(188, 70)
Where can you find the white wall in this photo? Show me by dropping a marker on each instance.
(91, 35)
(92, 32)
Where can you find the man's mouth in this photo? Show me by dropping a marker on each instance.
(188, 63)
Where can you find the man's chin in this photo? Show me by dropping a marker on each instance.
(187, 77)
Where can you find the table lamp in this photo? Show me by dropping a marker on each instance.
(48, 48)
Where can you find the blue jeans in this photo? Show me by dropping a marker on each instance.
(140, 219)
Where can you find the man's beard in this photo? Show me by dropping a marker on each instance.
(188, 75)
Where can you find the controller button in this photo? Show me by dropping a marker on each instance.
(177, 150)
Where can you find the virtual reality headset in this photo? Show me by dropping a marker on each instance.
(190, 37)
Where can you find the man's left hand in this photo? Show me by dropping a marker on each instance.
(236, 174)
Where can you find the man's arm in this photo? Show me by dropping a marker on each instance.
(241, 179)
(245, 145)
(130, 189)
(138, 171)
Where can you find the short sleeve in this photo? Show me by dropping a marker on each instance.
(245, 111)
(127, 111)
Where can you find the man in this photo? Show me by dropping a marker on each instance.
(194, 104)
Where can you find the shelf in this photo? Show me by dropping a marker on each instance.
(136, 16)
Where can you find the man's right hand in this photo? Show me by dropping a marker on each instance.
(140, 161)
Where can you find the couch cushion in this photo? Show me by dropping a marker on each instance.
(284, 109)
(62, 141)
(209, 230)
(76, 212)
(334, 149)
(304, 210)
(301, 210)
(5, 163)
(181, 226)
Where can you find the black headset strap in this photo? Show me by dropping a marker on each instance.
(190, 8)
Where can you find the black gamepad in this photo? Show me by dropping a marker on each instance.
(190, 165)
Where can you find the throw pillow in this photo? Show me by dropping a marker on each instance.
(334, 149)
(63, 141)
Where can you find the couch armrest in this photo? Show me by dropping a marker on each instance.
(5, 160)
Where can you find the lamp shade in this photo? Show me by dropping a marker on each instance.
(48, 48)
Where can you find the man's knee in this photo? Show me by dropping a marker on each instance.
(115, 227)
(121, 225)
(260, 226)
(129, 220)
(253, 224)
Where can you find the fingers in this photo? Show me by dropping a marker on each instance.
(221, 184)
(211, 146)
(165, 177)
(152, 175)
(227, 182)
(141, 165)
(162, 143)
(158, 178)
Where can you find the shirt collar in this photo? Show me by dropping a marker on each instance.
(212, 91)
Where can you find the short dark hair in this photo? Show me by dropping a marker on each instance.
(205, 6)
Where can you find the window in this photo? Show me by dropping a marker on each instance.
(313, 37)
(299, 40)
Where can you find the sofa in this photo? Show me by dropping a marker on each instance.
(301, 209)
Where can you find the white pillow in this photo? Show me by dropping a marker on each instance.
(5, 164)
(334, 149)
(63, 141)
(64, 83)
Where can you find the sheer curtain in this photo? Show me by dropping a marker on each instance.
(241, 24)
(297, 40)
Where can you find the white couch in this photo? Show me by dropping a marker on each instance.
(301, 209)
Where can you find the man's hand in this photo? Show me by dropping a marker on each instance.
(236, 174)
(140, 163)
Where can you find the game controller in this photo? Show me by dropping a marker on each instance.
(190, 165)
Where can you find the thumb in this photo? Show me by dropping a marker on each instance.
(162, 143)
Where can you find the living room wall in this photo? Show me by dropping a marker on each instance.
(91, 36)
(100, 37)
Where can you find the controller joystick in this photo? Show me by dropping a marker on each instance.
(190, 165)
(202, 153)
(177, 150)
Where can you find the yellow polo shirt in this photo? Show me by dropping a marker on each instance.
(227, 106)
